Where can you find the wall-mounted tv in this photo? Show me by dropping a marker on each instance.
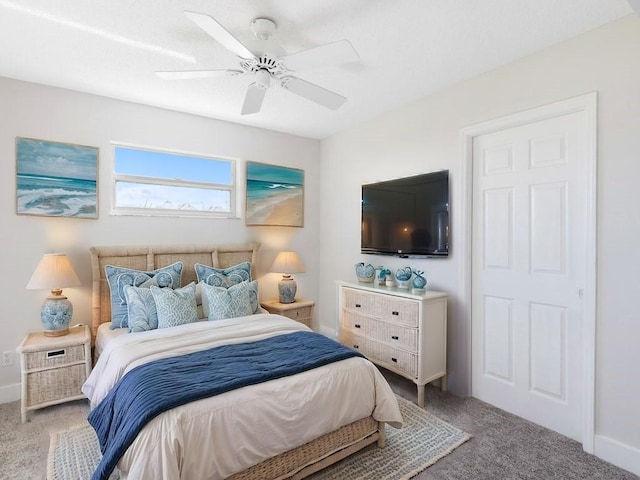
(407, 217)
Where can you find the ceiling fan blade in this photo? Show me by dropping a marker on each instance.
(253, 99)
(334, 53)
(219, 33)
(190, 74)
(313, 92)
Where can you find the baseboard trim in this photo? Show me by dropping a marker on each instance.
(618, 453)
(10, 393)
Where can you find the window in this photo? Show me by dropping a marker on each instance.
(154, 182)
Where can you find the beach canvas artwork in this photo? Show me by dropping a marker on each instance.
(275, 195)
(56, 179)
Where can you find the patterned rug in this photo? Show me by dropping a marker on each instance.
(422, 441)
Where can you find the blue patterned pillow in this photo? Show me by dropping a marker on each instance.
(175, 307)
(141, 309)
(236, 301)
(223, 277)
(119, 277)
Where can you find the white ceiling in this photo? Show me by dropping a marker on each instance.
(408, 49)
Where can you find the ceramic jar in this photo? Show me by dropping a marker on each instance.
(381, 276)
(403, 276)
(365, 272)
(418, 282)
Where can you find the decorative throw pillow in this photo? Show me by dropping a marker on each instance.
(236, 301)
(141, 309)
(223, 277)
(175, 307)
(119, 277)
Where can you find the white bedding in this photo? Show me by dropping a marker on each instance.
(218, 436)
(105, 335)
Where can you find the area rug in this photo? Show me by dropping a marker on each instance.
(422, 441)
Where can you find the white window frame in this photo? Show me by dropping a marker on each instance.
(160, 212)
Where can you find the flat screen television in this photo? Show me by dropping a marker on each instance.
(407, 217)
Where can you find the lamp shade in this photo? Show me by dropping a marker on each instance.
(54, 272)
(287, 263)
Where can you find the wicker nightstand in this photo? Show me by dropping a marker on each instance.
(54, 368)
(301, 310)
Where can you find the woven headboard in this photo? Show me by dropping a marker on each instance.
(148, 258)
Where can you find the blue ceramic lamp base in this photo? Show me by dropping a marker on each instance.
(287, 289)
(56, 315)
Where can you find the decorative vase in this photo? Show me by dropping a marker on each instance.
(365, 272)
(418, 282)
(403, 275)
(381, 276)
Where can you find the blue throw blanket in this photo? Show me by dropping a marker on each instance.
(148, 390)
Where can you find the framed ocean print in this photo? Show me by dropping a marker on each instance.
(55, 179)
(275, 195)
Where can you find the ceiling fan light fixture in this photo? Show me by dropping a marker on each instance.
(263, 79)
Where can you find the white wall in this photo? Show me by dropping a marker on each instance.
(425, 136)
(421, 137)
(29, 110)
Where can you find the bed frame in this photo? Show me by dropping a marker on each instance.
(297, 463)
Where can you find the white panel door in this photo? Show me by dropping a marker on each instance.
(529, 247)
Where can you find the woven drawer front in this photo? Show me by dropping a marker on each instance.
(55, 357)
(386, 307)
(55, 384)
(392, 334)
(381, 353)
(363, 302)
(399, 310)
(299, 314)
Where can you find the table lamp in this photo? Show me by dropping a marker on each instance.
(287, 263)
(54, 272)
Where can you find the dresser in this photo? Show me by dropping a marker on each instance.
(401, 330)
(54, 368)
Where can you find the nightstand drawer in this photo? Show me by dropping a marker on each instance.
(54, 357)
(55, 384)
(301, 310)
(299, 314)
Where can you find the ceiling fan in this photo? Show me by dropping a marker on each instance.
(266, 60)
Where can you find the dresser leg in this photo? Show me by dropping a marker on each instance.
(421, 395)
(443, 383)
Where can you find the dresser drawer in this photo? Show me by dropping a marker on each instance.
(54, 357)
(386, 332)
(382, 354)
(385, 307)
(362, 302)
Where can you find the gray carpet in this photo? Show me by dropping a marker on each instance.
(503, 445)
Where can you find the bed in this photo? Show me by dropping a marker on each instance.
(288, 427)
